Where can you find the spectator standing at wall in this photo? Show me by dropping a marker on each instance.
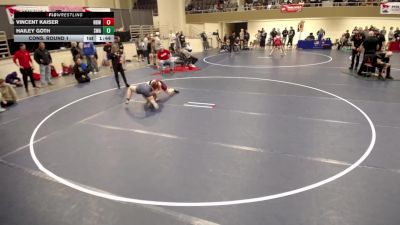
(81, 71)
(23, 60)
(263, 38)
(285, 33)
(172, 41)
(391, 34)
(320, 34)
(396, 34)
(148, 48)
(89, 52)
(383, 31)
(182, 40)
(381, 40)
(292, 32)
(232, 39)
(157, 43)
(8, 96)
(153, 52)
(204, 40)
(241, 37)
(142, 49)
(43, 58)
(246, 38)
(272, 35)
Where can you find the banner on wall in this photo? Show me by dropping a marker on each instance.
(390, 8)
(86, 9)
(11, 10)
(292, 8)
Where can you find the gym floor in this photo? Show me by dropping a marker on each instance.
(251, 139)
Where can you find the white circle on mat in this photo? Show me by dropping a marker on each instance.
(216, 203)
(329, 59)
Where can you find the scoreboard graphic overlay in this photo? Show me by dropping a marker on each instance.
(64, 26)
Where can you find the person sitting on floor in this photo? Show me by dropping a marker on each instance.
(381, 61)
(164, 57)
(81, 71)
(8, 96)
(13, 79)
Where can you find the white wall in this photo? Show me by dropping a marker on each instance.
(209, 28)
(334, 27)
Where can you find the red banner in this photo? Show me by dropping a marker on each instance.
(291, 8)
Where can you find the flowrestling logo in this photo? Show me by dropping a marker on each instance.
(390, 8)
(290, 8)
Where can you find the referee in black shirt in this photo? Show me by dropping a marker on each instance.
(369, 45)
(357, 40)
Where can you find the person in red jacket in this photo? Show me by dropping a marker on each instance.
(164, 57)
(23, 60)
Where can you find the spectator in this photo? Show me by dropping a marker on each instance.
(204, 39)
(246, 39)
(157, 43)
(81, 71)
(43, 58)
(241, 37)
(148, 49)
(381, 40)
(310, 37)
(391, 34)
(347, 35)
(8, 96)
(320, 34)
(396, 34)
(142, 50)
(232, 39)
(285, 33)
(263, 38)
(381, 61)
(116, 61)
(383, 31)
(153, 52)
(75, 51)
(89, 50)
(356, 49)
(172, 41)
(13, 79)
(272, 35)
(182, 40)
(292, 32)
(164, 57)
(25, 65)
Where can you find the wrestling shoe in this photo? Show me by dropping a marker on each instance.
(389, 77)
